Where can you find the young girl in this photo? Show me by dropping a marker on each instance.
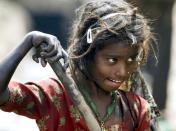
(109, 43)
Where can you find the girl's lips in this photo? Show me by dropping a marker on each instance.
(114, 83)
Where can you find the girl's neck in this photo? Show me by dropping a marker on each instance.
(102, 104)
(97, 93)
(92, 89)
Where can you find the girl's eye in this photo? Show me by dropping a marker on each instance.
(112, 60)
(130, 60)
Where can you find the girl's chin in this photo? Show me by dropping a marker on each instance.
(113, 85)
(110, 89)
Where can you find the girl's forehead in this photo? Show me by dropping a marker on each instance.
(119, 49)
(119, 44)
(118, 40)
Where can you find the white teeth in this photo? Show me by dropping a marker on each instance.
(117, 81)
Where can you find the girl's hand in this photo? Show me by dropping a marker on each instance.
(47, 48)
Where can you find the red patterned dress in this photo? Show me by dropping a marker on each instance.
(49, 104)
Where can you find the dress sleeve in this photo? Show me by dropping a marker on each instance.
(33, 99)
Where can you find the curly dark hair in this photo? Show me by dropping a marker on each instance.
(107, 19)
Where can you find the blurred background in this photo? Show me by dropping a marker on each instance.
(17, 17)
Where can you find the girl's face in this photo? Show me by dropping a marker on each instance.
(113, 64)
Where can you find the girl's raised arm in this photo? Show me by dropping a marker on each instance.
(48, 48)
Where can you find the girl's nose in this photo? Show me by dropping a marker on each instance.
(121, 69)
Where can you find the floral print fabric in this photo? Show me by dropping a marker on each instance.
(48, 103)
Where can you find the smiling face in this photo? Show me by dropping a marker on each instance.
(112, 65)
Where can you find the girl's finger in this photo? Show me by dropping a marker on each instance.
(52, 43)
(47, 47)
(43, 62)
(54, 58)
(35, 58)
(64, 56)
(49, 54)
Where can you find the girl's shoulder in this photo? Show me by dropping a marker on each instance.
(134, 101)
(132, 97)
(138, 107)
